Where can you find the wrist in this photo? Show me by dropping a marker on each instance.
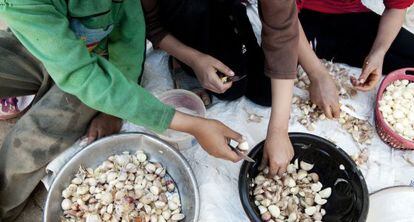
(183, 122)
(380, 51)
(278, 129)
(317, 72)
(194, 58)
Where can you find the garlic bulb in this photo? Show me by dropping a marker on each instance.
(123, 188)
(396, 107)
(296, 196)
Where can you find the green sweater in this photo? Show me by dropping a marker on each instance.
(60, 32)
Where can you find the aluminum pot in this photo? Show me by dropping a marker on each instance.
(156, 149)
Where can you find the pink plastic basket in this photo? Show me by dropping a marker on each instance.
(384, 131)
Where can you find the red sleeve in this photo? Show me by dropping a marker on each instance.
(398, 4)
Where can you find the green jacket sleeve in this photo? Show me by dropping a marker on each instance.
(94, 80)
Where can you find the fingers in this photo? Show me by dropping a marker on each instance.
(354, 81)
(328, 112)
(265, 160)
(370, 83)
(231, 155)
(216, 85)
(336, 110)
(219, 66)
(366, 71)
(231, 134)
(92, 135)
(282, 170)
(273, 169)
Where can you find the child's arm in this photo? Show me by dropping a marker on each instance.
(390, 24)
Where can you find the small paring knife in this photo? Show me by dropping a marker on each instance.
(226, 79)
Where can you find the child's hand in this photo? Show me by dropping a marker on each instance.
(212, 135)
(277, 153)
(324, 94)
(103, 125)
(206, 68)
(371, 72)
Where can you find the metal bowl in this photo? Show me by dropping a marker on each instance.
(157, 150)
(349, 200)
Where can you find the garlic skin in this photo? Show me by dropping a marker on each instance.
(396, 107)
(361, 130)
(123, 188)
(296, 196)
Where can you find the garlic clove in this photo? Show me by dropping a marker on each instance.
(244, 146)
(325, 193)
(306, 166)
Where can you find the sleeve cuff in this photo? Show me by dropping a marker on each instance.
(280, 75)
(165, 119)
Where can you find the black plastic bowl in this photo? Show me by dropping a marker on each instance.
(349, 199)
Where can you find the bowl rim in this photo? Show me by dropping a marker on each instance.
(180, 156)
(242, 180)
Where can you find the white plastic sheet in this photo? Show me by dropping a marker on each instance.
(217, 179)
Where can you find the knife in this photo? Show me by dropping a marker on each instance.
(240, 153)
(226, 79)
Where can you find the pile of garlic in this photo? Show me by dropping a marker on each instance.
(123, 188)
(297, 196)
(310, 114)
(340, 75)
(397, 105)
(360, 130)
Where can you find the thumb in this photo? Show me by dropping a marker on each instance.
(366, 71)
(265, 160)
(223, 68)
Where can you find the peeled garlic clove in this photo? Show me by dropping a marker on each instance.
(172, 205)
(166, 214)
(316, 187)
(317, 216)
(274, 211)
(177, 217)
(155, 190)
(291, 168)
(292, 217)
(325, 193)
(262, 209)
(289, 182)
(302, 174)
(93, 218)
(259, 179)
(159, 204)
(244, 146)
(310, 210)
(319, 200)
(305, 166)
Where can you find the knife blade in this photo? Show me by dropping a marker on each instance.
(226, 79)
(240, 153)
